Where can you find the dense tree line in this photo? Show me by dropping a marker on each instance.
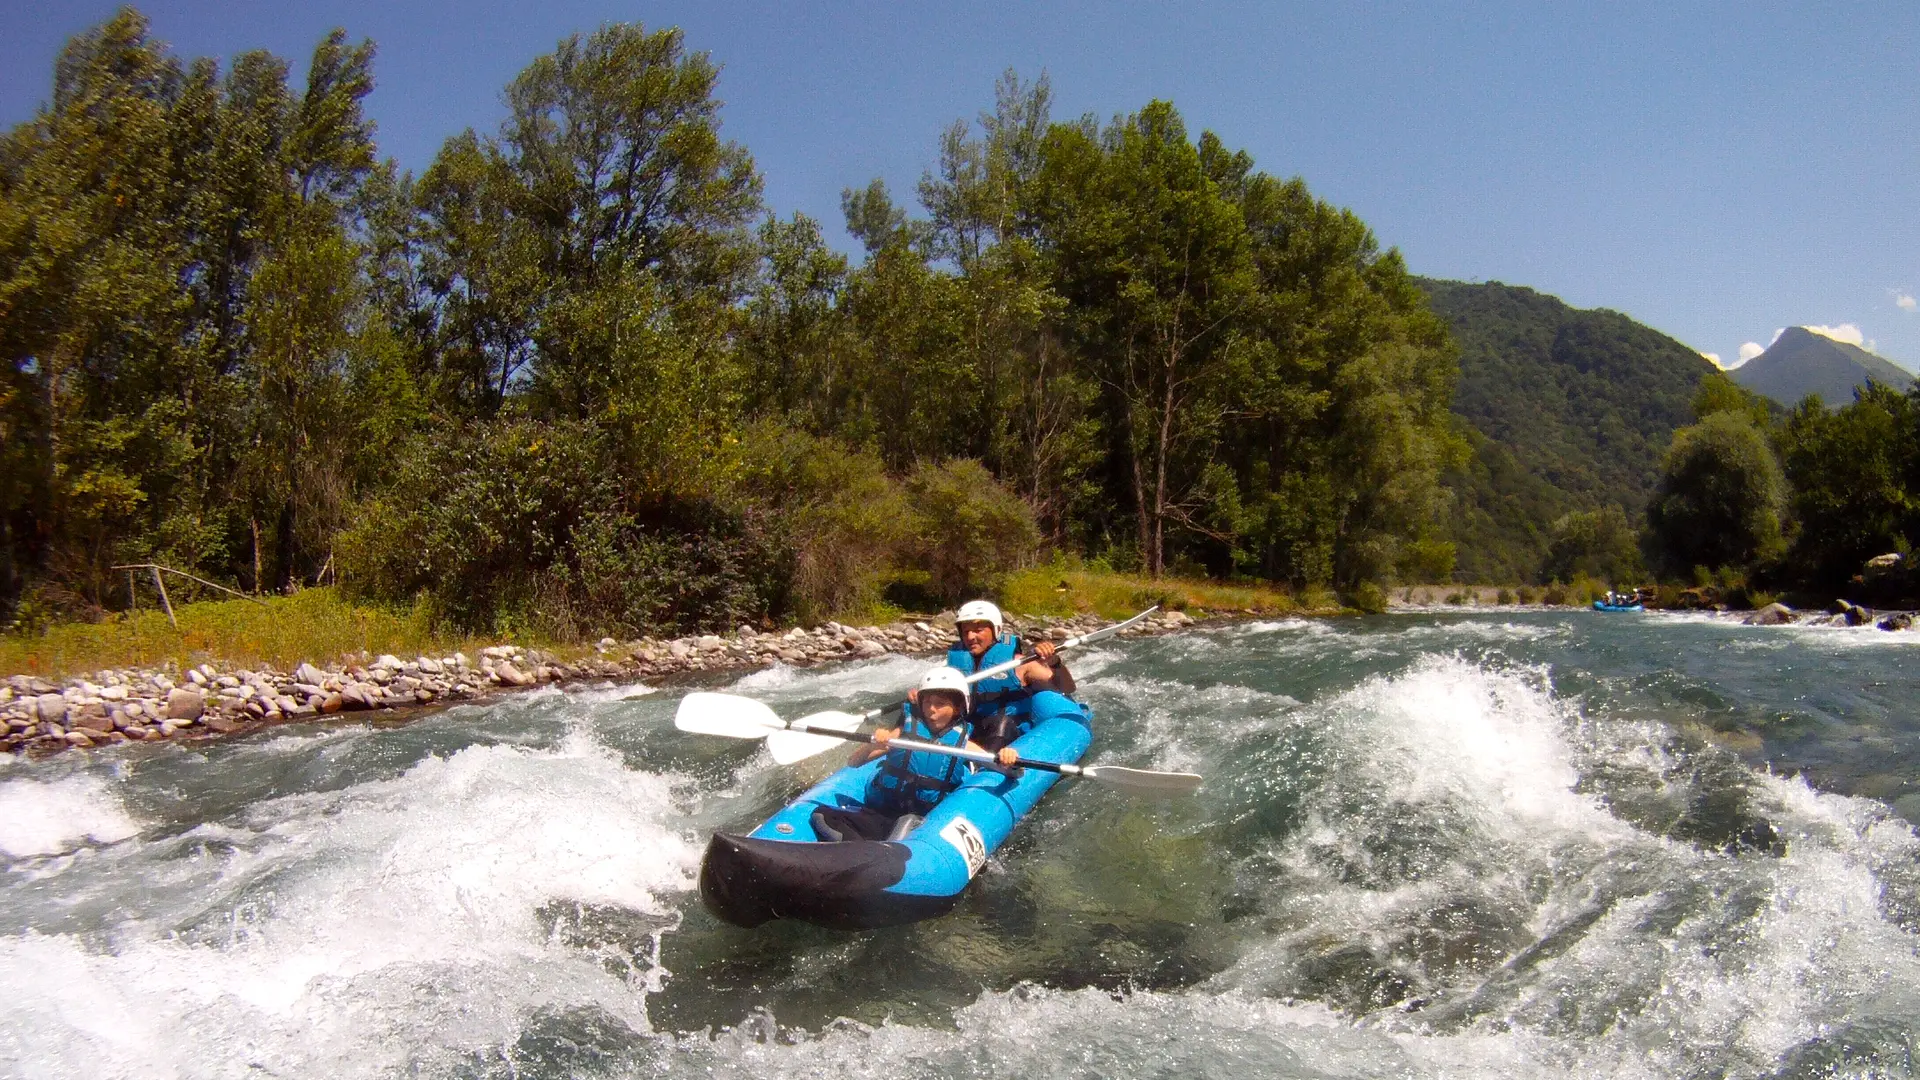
(574, 374)
(1797, 500)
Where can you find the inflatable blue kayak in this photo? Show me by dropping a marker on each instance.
(785, 870)
(1602, 605)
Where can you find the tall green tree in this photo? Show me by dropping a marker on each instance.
(1028, 409)
(1721, 496)
(593, 254)
(140, 213)
(1343, 377)
(1154, 258)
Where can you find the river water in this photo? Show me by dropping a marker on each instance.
(1429, 845)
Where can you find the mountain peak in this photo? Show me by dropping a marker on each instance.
(1802, 361)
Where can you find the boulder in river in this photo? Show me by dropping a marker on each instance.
(185, 704)
(1771, 615)
(1899, 620)
(90, 715)
(51, 708)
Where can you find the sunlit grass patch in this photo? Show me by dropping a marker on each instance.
(1060, 591)
(316, 625)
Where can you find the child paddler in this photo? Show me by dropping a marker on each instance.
(910, 782)
(1003, 705)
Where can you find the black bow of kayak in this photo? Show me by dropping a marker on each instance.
(748, 881)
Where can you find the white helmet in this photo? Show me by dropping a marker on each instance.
(946, 678)
(980, 611)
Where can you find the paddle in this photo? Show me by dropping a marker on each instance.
(795, 744)
(744, 718)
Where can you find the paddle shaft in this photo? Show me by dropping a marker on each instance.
(903, 742)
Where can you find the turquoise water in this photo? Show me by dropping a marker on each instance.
(1445, 845)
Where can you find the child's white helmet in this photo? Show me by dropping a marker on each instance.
(980, 611)
(946, 678)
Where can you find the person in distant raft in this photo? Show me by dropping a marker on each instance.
(1003, 705)
(910, 783)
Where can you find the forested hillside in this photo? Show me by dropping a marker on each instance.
(1570, 410)
(576, 377)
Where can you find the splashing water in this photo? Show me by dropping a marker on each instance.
(1436, 845)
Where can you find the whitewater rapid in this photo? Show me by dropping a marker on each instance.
(1432, 846)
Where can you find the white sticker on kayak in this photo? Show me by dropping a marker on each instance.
(965, 837)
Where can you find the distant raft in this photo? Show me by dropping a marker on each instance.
(1602, 605)
(785, 870)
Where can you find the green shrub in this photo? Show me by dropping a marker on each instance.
(1529, 595)
(1505, 596)
(1555, 594)
(1367, 597)
(520, 526)
(968, 530)
(1585, 590)
(1456, 598)
(1427, 561)
(1599, 544)
(842, 519)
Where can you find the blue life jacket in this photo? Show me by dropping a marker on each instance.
(913, 781)
(1001, 706)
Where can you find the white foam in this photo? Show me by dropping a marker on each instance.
(1828, 638)
(47, 818)
(346, 931)
(1032, 1032)
(892, 673)
(1447, 729)
(608, 691)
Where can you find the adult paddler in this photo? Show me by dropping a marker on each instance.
(1002, 705)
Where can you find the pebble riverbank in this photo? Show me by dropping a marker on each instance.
(119, 706)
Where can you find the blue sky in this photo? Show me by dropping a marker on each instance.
(1715, 171)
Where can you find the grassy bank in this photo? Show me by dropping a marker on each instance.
(1054, 591)
(321, 626)
(317, 625)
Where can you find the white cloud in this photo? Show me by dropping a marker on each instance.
(1750, 350)
(1905, 302)
(1846, 332)
(1714, 359)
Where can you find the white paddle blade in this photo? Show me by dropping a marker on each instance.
(727, 715)
(788, 747)
(1158, 785)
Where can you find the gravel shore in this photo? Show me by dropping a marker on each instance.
(140, 705)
